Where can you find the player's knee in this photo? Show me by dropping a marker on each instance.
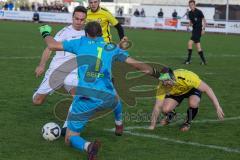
(166, 110)
(67, 140)
(37, 100)
(193, 105)
(190, 43)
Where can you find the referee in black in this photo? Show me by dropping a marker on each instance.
(198, 23)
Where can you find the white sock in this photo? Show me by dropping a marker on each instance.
(34, 95)
(86, 146)
(65, 124)
(118, 122)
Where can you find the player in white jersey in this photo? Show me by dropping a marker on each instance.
(73, 31)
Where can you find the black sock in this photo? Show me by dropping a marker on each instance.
(191, 114)
(189, 55)
(170, 115)
(202, 56)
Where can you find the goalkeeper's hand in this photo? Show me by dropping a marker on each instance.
(45, 30)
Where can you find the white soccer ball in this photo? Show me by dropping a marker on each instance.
(51, 131)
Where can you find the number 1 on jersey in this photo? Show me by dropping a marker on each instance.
(99, 57)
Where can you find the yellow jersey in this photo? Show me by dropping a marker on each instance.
(105, 18)
(185, 81)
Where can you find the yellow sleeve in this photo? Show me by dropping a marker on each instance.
(160, 93)
(193, 80)
(112, 19)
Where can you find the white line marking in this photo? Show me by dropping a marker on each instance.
(196, 121)
(226, 149)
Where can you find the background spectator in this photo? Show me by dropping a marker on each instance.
(10, 6)
(186, 14)
(120, 11)
(174, 14)
(160, 13)
(136, 13)
(142, 14)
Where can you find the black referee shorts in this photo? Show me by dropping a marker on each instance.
(180, 98)
(196, 35)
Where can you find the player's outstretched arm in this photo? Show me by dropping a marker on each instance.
(41, 67)
(52, 44)
(145, 68)
(205, 88)
(155, 113)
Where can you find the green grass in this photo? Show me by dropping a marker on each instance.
(21, 122)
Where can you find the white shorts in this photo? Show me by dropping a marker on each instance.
(52, 82)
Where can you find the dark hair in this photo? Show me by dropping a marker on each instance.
(80, 9)
(93, 29)
(169, 71)
(191, 1)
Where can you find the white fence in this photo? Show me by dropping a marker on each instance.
(135, 22)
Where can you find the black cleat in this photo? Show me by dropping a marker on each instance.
(203, 63)
(93, 149)
(185, 127)
(187, 62)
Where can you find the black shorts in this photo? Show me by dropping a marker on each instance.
(180, 98)
(196, 35)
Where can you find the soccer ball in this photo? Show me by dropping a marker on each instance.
(51, 131)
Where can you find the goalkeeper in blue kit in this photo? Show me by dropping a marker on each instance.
(95, 89)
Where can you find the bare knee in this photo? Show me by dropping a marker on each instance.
(38, 99)
(67, 140)
(190, 43)
(166, 110)
(194, 101)
(193, 105)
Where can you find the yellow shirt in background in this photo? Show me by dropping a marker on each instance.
(105, 18)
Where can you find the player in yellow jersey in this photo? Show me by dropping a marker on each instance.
(105, 18)
(173, 88)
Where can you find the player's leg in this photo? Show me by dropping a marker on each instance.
(188, 60)
(200, 52)
(74, 139)
(118, 119)
(155, 113)
(70, 84)
(79, 114)
(39, 99)
(43, 90)
(169, 104)
(193, 102)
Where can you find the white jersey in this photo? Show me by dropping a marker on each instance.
(67, 33)
(50, 84)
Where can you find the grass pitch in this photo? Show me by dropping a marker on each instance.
(20, 135)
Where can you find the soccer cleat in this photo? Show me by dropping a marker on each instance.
(119, 130)
(203, 63)
(187, 62)
(185, 127)
(164, 122)
(93, 149)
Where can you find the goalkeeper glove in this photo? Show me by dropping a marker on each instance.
(45, 30)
